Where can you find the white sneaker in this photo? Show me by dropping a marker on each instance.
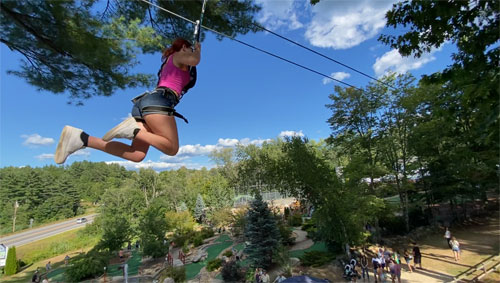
(69, 142)
(123, 130)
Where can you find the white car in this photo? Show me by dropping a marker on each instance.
(81, 220)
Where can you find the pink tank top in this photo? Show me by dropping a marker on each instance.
(173, 77)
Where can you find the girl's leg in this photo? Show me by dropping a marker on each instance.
(135, 152)
(162, 133)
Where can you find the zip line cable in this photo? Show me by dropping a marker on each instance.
(251, 46)
(323, 55)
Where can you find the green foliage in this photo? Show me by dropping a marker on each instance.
(295, 220)
(116, 232)
(316, 258)
(262, 234)
(199, 210)
(152, 228)
(95, 50)
(214, 264)
(86, 266)
(181, 222)
(228, 253)
(231, 272)
(176, 273)
(285, 234)
(11, 262)
(221, 217)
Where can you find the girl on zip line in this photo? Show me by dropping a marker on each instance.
(152, 122)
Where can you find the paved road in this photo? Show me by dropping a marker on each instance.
(39, 233)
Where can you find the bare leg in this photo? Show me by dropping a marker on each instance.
(135, 152)
(159, 131)
(162, 134)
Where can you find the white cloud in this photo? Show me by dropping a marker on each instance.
(344, 24)
(275, 14)
(291, 134)
(338, 76)
(82, 152)
(227, 142)
(44, 156)
(392, 61)
(36, 140)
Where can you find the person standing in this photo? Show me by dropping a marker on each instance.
(364, 266)
(408, 258)
(66, 260)
(447, 236)
(455, 247)
(417, 256)
(48, 266)
(264, 277)
(376, 268)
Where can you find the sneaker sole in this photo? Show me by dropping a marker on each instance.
(112, 133)
(59, 157)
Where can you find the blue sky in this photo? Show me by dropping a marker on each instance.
(242, 95)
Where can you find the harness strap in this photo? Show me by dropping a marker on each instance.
(171, 111)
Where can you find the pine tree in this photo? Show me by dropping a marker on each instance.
(183, 207)
(199, 209)
(11, 261)
(262, 233)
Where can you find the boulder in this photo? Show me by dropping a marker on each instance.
(168, 280)
(200, 256)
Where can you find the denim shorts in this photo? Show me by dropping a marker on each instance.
(158, 101)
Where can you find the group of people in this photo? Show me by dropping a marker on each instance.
(452, 243)
(261, 276)
(385, 264)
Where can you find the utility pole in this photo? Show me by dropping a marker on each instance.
(16, 205)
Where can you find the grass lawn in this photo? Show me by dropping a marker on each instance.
(57, 275)
(54, 245)
(192, 269)
(318, 246)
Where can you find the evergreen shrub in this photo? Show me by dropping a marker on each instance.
(11, 261)
(315, 258)
(231, 272)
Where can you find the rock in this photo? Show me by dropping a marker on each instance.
(294, 261)
(200, 256)
(168, 280)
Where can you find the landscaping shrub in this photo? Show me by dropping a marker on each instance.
(197, 240)
(228, 253)
(315, 258)
(231, 272)
(310, 227)
(11, 261)
(286, 234)
(214, 264)
(295, 220)
(176, 273)
(207, 233)
(87, 266)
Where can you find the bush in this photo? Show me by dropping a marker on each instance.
(87, 266)
(231, 272)
(214, 264)
(310, 227)
(286, 234)
(295, 220)
(197, 240)
(207, 233)
(176, 273)
(228, 253)
(315, 258)
(11, 261)
(153, 247)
